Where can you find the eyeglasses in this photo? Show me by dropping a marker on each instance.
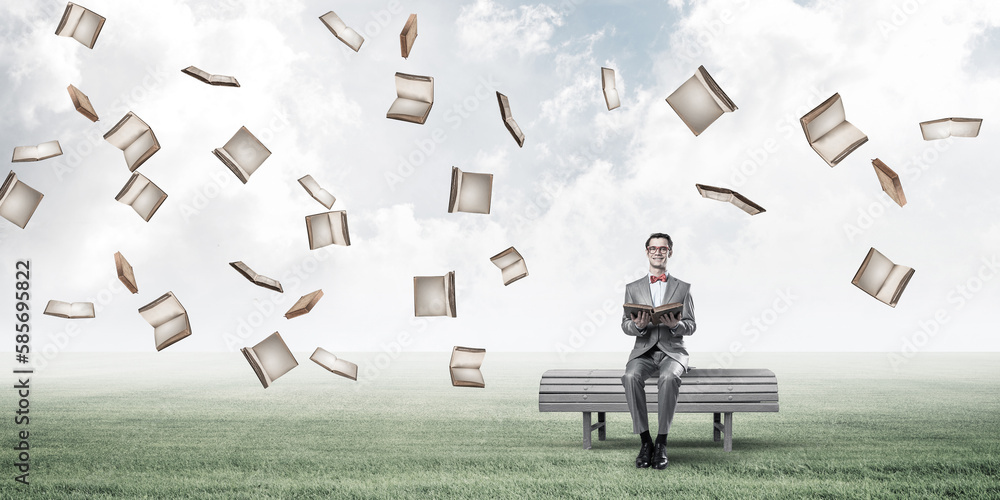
(657, 249)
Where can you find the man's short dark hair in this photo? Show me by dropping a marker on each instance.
(670, 242)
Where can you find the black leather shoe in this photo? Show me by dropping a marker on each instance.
(645, 456)
(659, 458)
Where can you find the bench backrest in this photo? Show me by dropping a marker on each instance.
(702, 391)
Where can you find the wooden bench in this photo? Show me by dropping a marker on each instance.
(721, 392)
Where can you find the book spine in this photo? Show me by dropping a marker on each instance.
(837, 159)
(223, 156)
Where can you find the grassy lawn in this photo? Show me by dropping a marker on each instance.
(176, 425)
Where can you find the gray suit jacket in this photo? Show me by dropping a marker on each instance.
(670, 340)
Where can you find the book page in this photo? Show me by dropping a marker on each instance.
(514, 271)
(19, 201)
(506, 258)
(720, 97)
(824, 118)
(70, 20)
(695, 105)
(58, 308)
(320, 232)
(246, 151)
(891, 284)
(429, 296)
(162, 310)
(338, 228)
(611, 99)
(87, 28)
(409, 107)
(874, 274)
(467, 357)
(166, 331)
(132, 189)
(475, 193)
(415, 87)
(324, 358)
(275, 357)
(317, 192)
(126, 131)
(148, 201)
(467, 377)
(142, 145)
(82, 310)
(837, 141)
(609, 88)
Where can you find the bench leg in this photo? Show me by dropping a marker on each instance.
(586, 430)
(717, 427)
(727, 445)
(601, 434)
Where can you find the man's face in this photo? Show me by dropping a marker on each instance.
(658, 251)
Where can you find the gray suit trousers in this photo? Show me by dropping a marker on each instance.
(668, 385)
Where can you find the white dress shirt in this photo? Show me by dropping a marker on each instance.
(656, 290)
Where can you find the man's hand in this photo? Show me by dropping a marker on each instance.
(641, 319)
(670, 320)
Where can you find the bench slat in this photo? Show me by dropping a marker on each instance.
(685, 380)
(651, 398)
(694, 372)
(619, 389)
(681, 407)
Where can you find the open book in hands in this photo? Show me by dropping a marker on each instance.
(657, 313)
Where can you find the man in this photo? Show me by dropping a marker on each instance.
(659, 349)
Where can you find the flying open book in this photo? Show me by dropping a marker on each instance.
(950, 127)
(80, 23)
(257, 279)
(508, 120)
(408, 36)
(414, 98)
(168, 318)
(69, 310)
(700, 101)
(328, 228)
(204, 76)
(134, 138)
(470, 192)
(465, 365)
(341, 367)
(42, 151)
(18, 200)
(434, 295)
(304, 304)
(125, 273)
(882, 279)
(730, 196)
(317, 192)
(243, 154)
(270, 359)
(142, 195)
(610, 91)
(829, 133)
(82, 103)
(889, 181)
(511, 264)
(340, 30)
(655, 313)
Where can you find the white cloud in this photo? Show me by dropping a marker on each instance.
(486, 29)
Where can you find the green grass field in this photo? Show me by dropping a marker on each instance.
(175, 425)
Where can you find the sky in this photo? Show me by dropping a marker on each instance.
(577, 201)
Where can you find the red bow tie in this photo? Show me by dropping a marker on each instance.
(654, 279)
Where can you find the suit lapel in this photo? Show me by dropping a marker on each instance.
(642, 293)
(668, 294)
